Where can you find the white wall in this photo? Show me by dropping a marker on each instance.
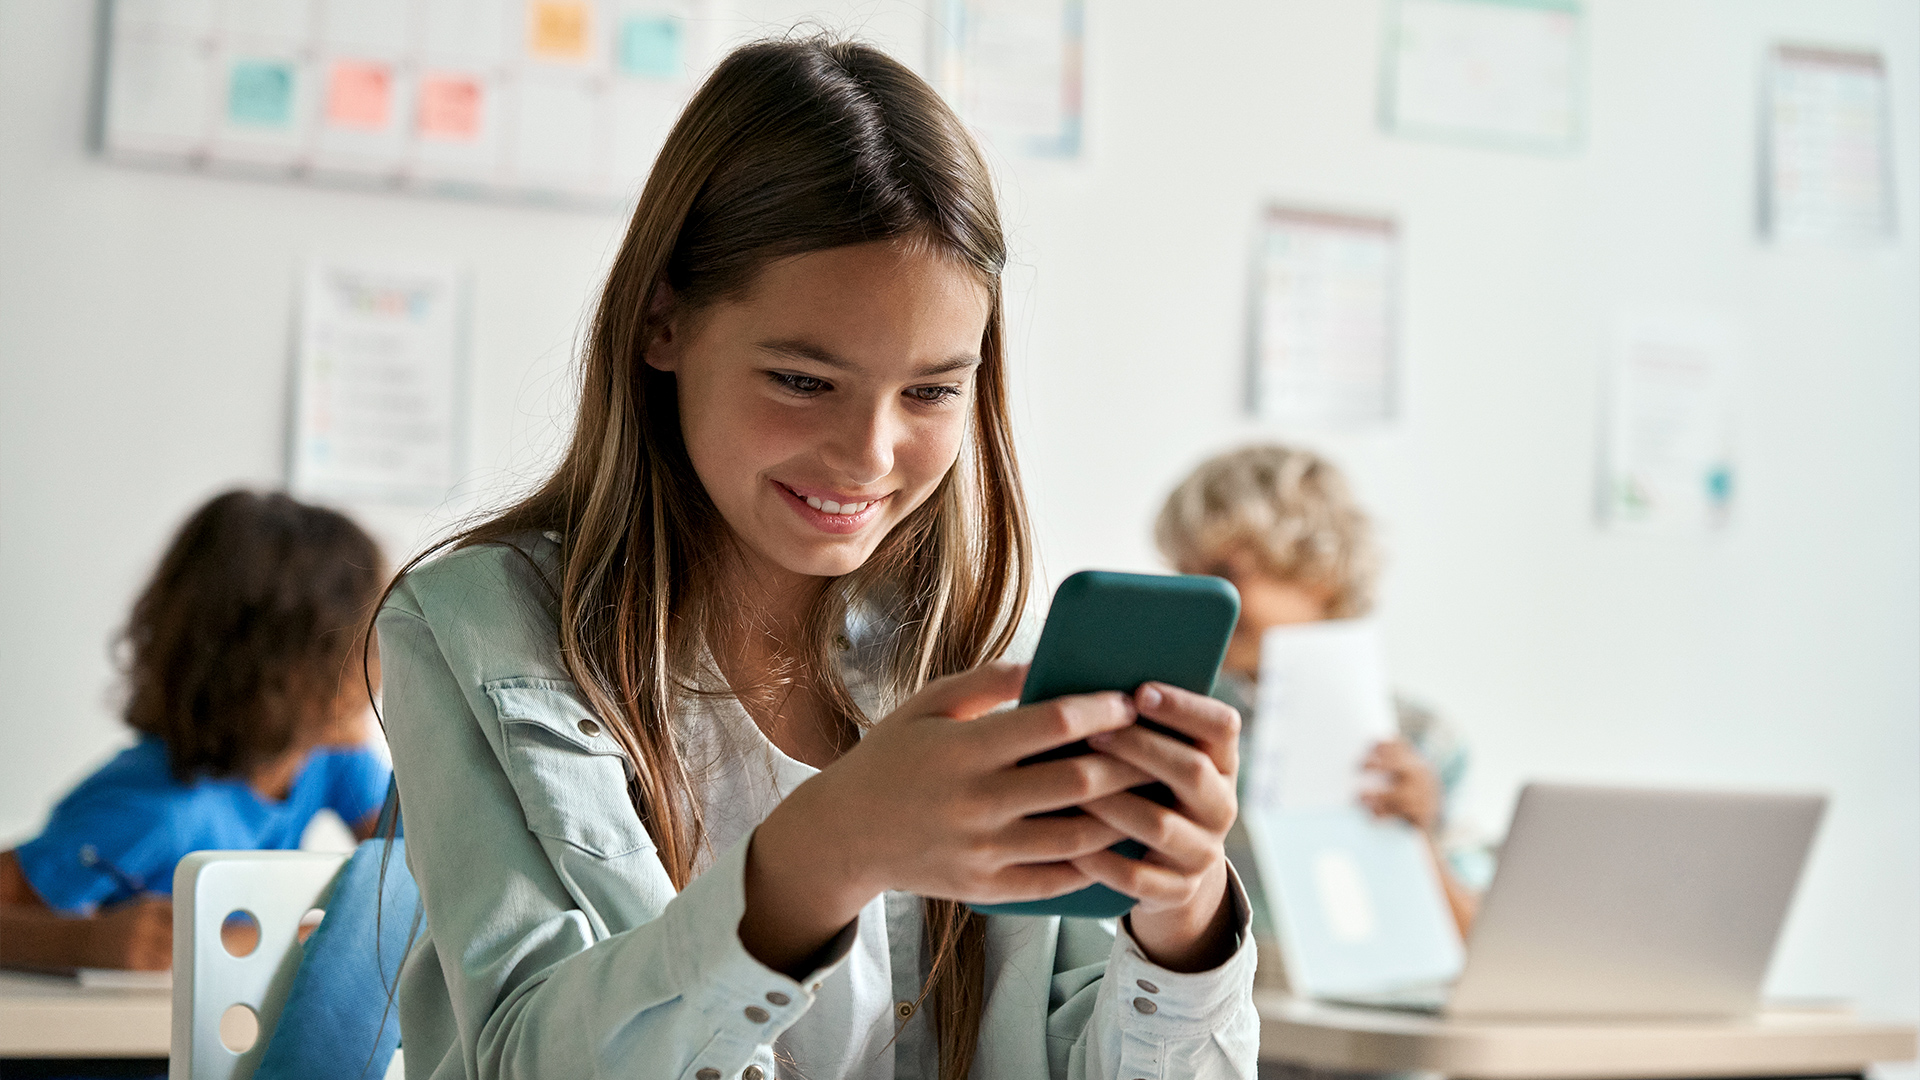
(144, 321)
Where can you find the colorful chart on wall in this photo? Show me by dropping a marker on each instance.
(379, 371)
(1827, 154)
(1668, 460)
(1013, 69)
(1324, 352)
(1499, 73)
(561, 101)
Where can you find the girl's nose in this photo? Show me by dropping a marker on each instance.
(862, 449)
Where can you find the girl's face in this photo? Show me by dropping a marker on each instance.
(820, 409)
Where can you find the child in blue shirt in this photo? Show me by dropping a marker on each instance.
(244, 670)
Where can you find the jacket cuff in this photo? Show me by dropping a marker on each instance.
(1157, 1001)
(748, 1003)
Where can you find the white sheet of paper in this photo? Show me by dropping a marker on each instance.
(1828, 161)
(1324, 348)
(1323, 703)
(117, 979)
(1669, 446)
(1495, 71)
(1013, 68)
(378, 381)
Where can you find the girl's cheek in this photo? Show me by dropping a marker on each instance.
(935, 446)
(763, 428)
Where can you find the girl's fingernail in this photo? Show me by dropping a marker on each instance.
(1100, 741)
(1148, 697)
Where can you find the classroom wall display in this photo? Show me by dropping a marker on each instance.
(1324, 348)
(1668, 458)
(379, 378)
(1826, 158)
(1499, 73)
(1013, 69)
(562, 101)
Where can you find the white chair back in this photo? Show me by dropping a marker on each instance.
(278, 889)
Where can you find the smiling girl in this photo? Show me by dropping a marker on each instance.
(701, 745)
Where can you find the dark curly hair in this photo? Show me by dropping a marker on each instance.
(241, 641)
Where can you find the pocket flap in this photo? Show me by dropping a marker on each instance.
(553, 706)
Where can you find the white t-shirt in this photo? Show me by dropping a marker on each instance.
(740, 776)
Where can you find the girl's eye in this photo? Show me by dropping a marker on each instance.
(798, 383)
(933, 395)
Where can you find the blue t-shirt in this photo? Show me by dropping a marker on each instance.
(122, 830)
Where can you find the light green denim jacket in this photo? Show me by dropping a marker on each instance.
(556, 946)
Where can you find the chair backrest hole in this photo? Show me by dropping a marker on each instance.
(239, 1028)
(309, 923)
(240, 933)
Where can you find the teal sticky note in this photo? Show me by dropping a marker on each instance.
(260, 93)
(650, 45)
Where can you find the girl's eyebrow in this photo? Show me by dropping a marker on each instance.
(807, 350)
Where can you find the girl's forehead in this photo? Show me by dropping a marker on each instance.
(870, 298)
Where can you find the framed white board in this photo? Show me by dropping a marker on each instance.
(563, 101)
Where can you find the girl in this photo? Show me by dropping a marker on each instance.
(252, 720)
(697, 744)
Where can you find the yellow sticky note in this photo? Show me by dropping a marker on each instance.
(557, 29)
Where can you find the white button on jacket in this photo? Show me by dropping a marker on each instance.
(556, 945)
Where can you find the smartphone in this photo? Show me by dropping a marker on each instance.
(1111, 631)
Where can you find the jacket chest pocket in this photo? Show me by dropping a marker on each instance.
(569, 772)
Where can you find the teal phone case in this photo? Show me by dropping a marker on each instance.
(1111, 631)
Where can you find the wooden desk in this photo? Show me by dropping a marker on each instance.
(1775, 1043)
(51, 1016)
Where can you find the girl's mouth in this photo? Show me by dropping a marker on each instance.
(831, 515)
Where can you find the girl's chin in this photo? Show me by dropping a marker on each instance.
(830, 560)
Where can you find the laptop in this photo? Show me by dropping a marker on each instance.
(1620, 902)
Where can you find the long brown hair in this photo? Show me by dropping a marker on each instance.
(240, 645)
(789, 147)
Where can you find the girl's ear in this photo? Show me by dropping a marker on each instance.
(663, 352)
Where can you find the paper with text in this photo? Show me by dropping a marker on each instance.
(1324, 348)
(1013, 69)
(1497, 72)
(1827, 168)
(1669, 460)
(378, 383)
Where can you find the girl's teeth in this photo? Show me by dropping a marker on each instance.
(830, 507)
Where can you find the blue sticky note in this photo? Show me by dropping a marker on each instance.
(260, 93)
(650, 45)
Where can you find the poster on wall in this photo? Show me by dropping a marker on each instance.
(1498, 73)
(379, 375)
(1826, 154)
(557, 101)
(1324, 348)
(1013, 69)
(1668, 462)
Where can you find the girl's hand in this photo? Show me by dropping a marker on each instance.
(1183, 920)
(1412, 790)
(933, 801)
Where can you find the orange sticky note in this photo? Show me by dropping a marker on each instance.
(450, 106)
(359, 95)
(557, 29)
